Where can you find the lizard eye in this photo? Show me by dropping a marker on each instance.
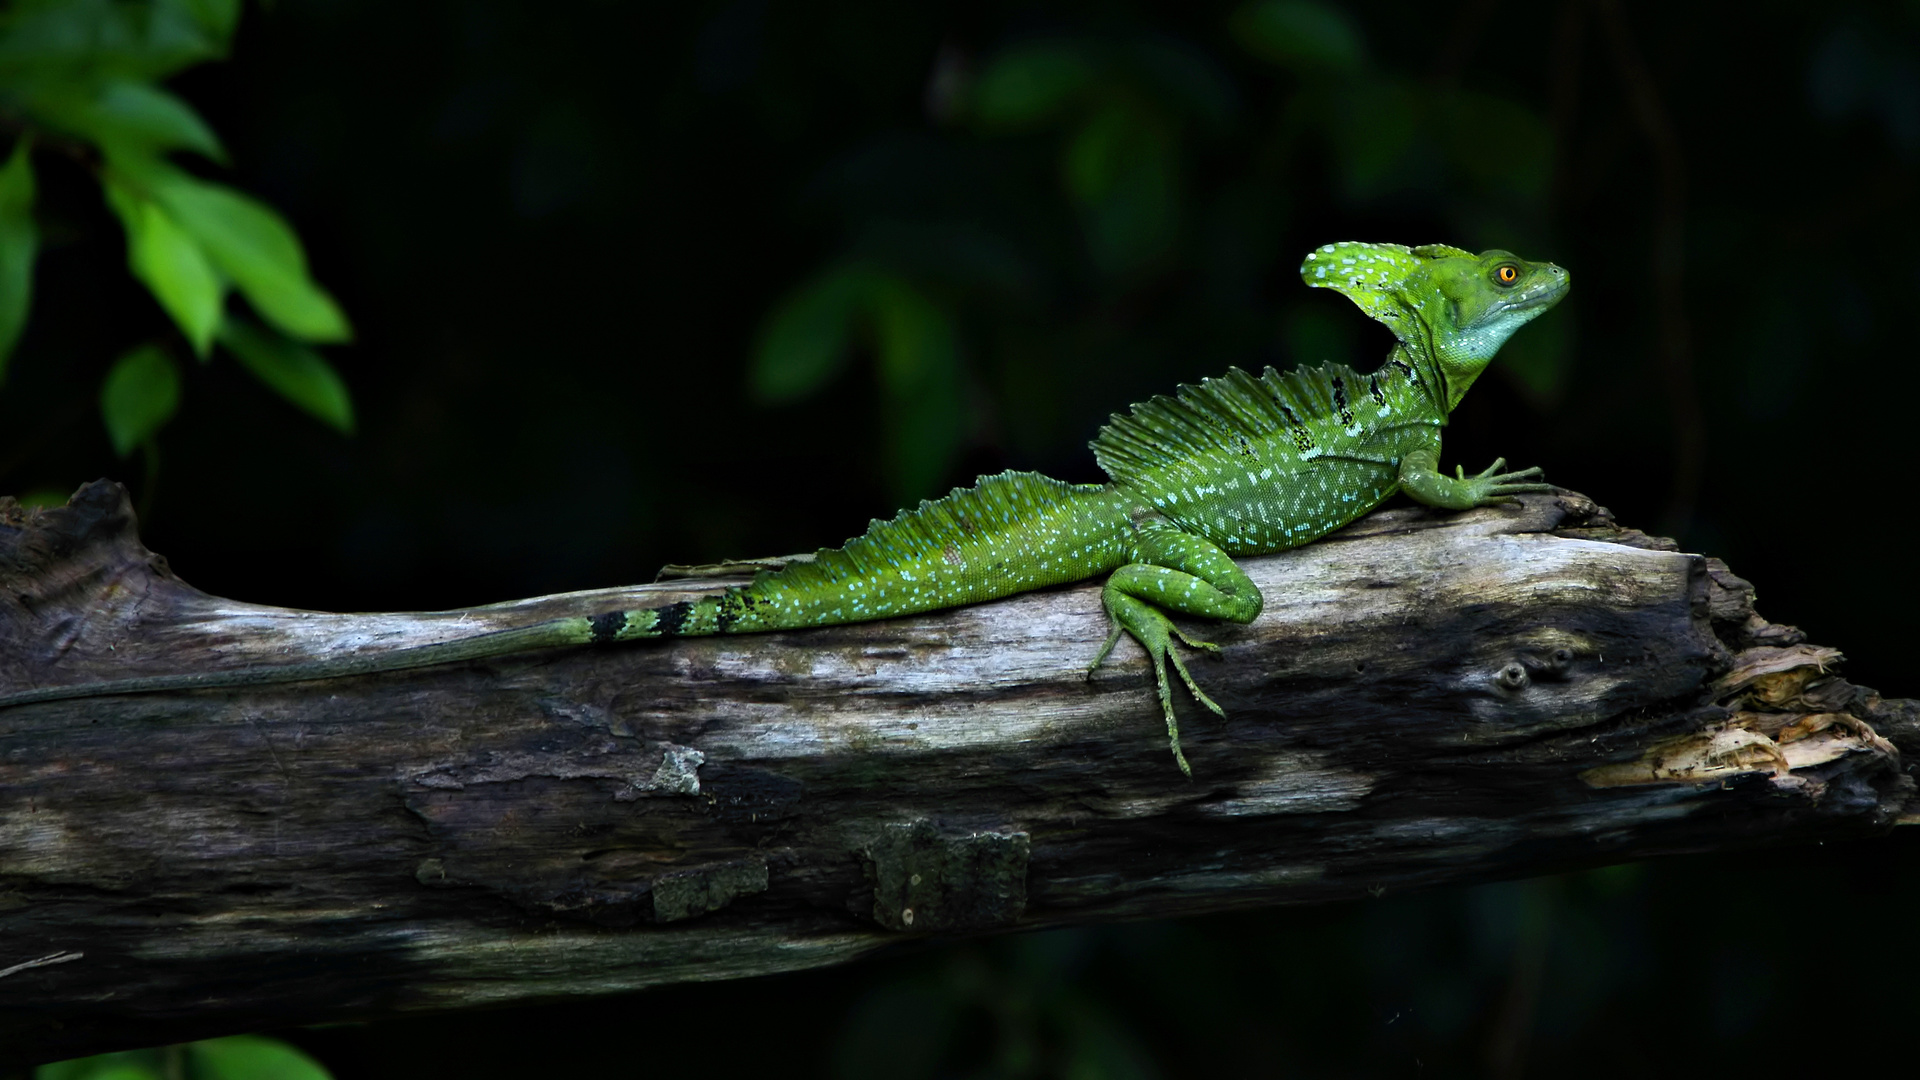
(1507, 274)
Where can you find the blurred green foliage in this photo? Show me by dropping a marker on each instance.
(80, 78)
(239, 1057)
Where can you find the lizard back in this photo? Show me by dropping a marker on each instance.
(1264, 463)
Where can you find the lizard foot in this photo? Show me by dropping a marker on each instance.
(1491, 486)
(1156, 632)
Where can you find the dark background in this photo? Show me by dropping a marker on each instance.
(561, 231)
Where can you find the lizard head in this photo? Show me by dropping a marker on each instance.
(1452, 309)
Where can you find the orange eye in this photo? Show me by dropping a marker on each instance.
(1507, 275)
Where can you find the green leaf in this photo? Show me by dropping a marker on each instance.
(914, 338)
(216, 17)
(807, 340)
(19, 242)
(293, 371)
(140, 395)
(131, 114)
(252, 245)
(1302, 35)
(122, 1065)
(1122, 169)
(141, 41)
(1029, 85)
(251, 1057)
(1497, 142)
(925, 425)
(923, 399)
(1375, 128)
(174, 267)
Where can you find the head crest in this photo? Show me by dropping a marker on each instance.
(1372, 275)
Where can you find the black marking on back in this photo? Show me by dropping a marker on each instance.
(1373, 389)
(727, 610)
(1406, 370)
(607, 626)
(669, 619)
(1302, 438)
(1340, 401)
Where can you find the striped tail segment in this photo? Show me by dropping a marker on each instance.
(1011, 533)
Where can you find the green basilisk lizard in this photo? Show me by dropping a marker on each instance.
(1236, 465)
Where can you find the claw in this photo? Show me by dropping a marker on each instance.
(1193, 642)
(1105, 650)
(1159, 659)
(1156, 637)
(1193, 687)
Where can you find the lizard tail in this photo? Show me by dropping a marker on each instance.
(1010, 533)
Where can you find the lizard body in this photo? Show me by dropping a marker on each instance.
(1234, 465)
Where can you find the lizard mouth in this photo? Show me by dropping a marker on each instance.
(1549, 285)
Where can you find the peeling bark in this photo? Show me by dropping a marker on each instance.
(1428, 698)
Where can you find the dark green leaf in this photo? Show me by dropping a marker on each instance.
(807, 340)
(1122, 169)
(1299, 34)
(216, 17)
(171, 264)
(1098, 1043)
(1375, 128)
(251, 1057)
(19, 241)
(914, 339)
(253, 246)
(1029, 85)
(294, 371)
(95, 38)
(140, 395)
(1497, 142)
(1182, 77)
(44, 498)
(923, 396)
(125, 115)
(926, 427)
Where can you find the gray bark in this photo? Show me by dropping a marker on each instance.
(1428, 698)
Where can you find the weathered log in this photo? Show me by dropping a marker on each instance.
(1427, 698)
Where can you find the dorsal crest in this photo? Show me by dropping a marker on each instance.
(1234, 414)
(992, 506)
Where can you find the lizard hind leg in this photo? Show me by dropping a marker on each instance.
(1186, 574)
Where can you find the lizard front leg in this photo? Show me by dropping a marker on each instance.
(1421, 478)
(1181, 572)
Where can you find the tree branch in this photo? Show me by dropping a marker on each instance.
(1428, 698)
